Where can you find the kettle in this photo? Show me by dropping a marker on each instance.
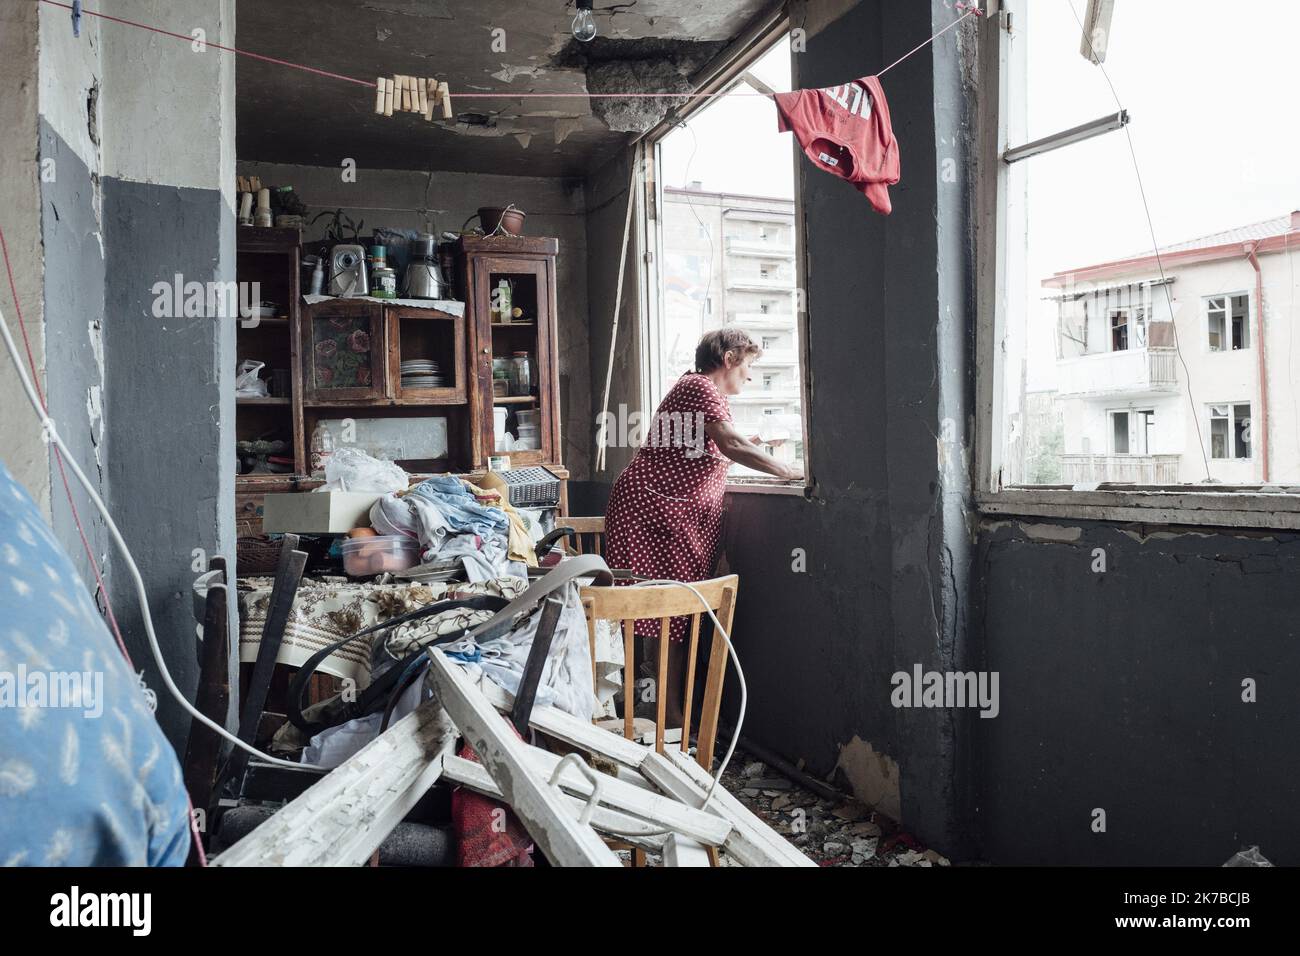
(423, 279)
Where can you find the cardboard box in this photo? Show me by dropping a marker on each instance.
(311, 512)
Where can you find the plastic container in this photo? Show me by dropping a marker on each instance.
(529, 438)
(364, 557)
(529, 417)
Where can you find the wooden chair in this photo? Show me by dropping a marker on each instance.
(590, 538)
(664, 602)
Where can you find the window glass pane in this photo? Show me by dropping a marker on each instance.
(730, 170)
(1241, 431)
(1092, 318)
(1119, 428)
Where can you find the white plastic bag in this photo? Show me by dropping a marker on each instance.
(351, 469)
(248, 384)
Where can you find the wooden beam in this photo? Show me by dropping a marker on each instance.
(342, 819)
(540, 807)
(627, 828)
(680, 851)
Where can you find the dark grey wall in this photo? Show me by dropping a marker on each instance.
(1123, 691)
(886, 530)
(74, 311)
(172, 457)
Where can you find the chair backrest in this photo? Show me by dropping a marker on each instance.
(628, 605)
(590, 538)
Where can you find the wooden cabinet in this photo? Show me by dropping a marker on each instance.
(267, 265)
(347, 355)
(509, 286)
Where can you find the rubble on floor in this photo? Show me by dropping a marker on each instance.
(834, 833)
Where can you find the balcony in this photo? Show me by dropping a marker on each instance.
(753, 282)
(1120, 469)
(776, 358)
(763, 321)
(1114, 374)
(759, 248)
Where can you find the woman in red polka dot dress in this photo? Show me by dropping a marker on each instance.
(664, 518)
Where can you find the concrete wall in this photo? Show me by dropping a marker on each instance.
(1122, 690)
(441, 201)
(607, 195)
(885, 534)
(24, 454)
(168, 121)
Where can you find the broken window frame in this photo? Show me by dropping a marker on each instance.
(1001, 56)
(729, 69)
(1233, 326)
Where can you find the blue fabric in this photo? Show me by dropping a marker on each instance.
(86, 776)
(458, 507)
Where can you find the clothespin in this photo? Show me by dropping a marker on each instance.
(379, 95)
(428, 97)
(76, 18)
(969, 7)
(444, 96)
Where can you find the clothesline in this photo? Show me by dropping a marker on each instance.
(189, 38)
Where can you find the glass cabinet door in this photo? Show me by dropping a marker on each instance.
(344, 353)
(514, 334)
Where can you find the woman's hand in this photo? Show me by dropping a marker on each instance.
(741, 450)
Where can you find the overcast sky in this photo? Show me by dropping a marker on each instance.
(1213, 119)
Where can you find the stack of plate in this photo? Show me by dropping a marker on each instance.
(422, 373)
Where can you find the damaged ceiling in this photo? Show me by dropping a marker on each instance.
(291, 116)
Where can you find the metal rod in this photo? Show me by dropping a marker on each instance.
(1097, 127)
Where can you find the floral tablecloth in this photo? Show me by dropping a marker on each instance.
(325, 611)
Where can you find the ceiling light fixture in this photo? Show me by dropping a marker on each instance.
(584, 24)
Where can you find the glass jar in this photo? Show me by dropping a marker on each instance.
(521, 374)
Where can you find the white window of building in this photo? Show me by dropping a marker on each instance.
(1101, 283)
(1119, 330)
(1230, 431)
(696, 287)
(1228, 322)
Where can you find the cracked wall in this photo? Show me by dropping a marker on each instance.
(1121, 689)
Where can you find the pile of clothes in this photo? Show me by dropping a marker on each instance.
(459, 523)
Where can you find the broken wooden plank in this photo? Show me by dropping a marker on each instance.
(707, 828)
(342, 819)
(682, 851)
(541, 808)
(630, 829)
(203, 751)
(752, 842)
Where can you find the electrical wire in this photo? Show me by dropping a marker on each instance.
(1155, 245)
(52, 434)
(732, 656)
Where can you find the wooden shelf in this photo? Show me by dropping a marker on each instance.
(279, 321)
(514, 400)
(269, 400)
(522, 324)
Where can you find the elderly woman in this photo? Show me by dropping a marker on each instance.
(664, 518)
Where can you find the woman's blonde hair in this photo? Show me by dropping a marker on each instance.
(712, 351)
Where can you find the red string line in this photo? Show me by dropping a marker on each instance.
(973, 11)
(58, 457)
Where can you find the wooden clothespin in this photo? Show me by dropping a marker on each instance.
(379, 95)
(422, 86)
(389, 93)
(444, 96)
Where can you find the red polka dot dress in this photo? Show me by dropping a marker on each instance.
(664, 518)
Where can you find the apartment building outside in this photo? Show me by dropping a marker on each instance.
(730, 260)
(1180, 370)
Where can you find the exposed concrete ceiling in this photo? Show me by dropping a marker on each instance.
(290, 116)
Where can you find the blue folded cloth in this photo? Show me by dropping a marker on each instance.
(458, 507)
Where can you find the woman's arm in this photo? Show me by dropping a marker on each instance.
(739, 449)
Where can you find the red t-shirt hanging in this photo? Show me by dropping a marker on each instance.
(845, 130)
